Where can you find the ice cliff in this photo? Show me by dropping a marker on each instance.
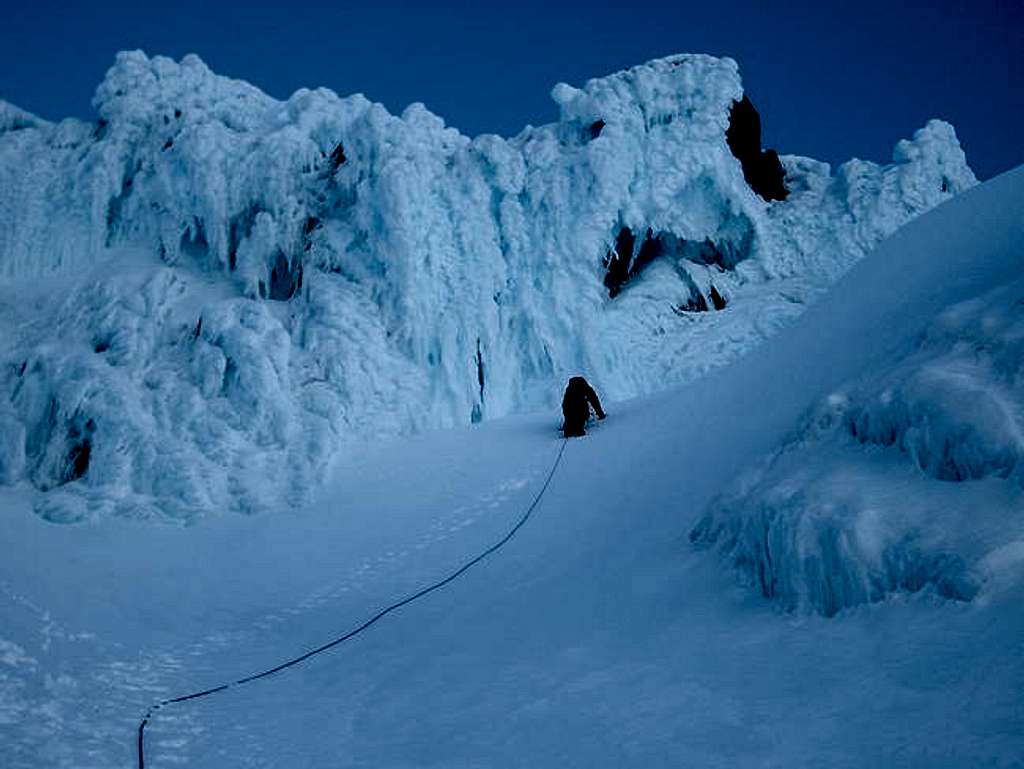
(208, 291)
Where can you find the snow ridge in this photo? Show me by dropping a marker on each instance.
(245, 284)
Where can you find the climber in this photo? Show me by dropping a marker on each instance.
(579, 397)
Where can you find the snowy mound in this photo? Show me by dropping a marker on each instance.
(225, 288)
(909, 478)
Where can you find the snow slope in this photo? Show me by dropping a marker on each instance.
(598, 636)
(226, 287)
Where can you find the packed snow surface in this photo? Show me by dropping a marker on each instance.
(207, 287)
(598, 636)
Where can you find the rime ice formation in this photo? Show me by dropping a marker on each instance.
(909, 479)
(209, 290)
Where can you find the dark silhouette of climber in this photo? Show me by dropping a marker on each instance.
(579, 397)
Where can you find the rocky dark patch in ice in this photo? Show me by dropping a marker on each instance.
(338, 157)
(762, 170)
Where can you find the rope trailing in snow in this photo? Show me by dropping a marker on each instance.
(373, 620)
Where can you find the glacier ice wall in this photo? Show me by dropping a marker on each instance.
(211, 291)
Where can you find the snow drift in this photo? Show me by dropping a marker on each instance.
(212, 290)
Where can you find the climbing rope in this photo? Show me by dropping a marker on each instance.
(151, 712)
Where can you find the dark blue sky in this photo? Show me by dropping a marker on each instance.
(830, 82)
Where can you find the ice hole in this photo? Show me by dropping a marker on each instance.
(193, 242)
(285, 278)
(627, 259)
